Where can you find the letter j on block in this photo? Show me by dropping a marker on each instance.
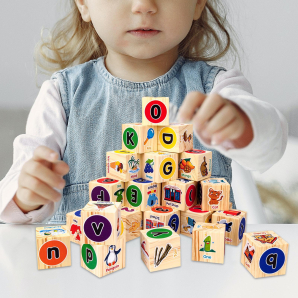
(155, 110)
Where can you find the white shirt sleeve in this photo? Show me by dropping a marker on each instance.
(46, 125)
(270, 128)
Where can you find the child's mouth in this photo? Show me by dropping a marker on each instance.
(144, 33)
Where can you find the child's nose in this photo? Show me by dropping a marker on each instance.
(144, 6)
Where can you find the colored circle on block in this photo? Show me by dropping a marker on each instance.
(97, 228)
(107, 180)
(191, 195)
(195, 151)
(53, 252)
(130, 138)
(99, 193)
(167, 168)
(89, 256)
(174, 222)
(122, 227)
(162, 209)
(155, 111)
(272, 260)
(241, 228)
(197, 209)
(167, 138)
(78, 213)
(134, 196)
(124, 152)
(159, 233)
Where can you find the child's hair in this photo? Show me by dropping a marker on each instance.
(73, 41)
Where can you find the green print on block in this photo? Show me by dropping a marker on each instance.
(130, 138)
(89, 256)
(207, 245)
(159, 233)
(134, 196)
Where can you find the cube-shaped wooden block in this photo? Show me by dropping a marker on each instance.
(179, 194)
(155, 110)
(160, 249)
(74, 225)
(208, 243)
(214, 194)
(195, 164)
(264, 254)
(142, 194)
(235, 222)
(123, 165)
(102, 260)
(53, 247)
(133, 222)
(106, 189)
(190, 217)
(160, 166)
(139, 138)
(101, 223)
(177, 137)
(162, 216)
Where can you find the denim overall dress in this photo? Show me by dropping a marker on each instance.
(97, 104)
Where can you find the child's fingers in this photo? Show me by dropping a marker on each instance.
(220, 120)
(45, 153)
(60, 167)
(232, 131)
(32, 199)
(210, 106)
(192, 101)
(41, 172)
(39, 187)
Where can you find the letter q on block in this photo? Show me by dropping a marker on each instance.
(155, 111)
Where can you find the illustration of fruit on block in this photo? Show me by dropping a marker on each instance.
(106, 189)
(53, 247)
(155, 111)
(195, 164)
(190, 217)
(74, 225)
(159, 166)
(142, 194)
(264, 254)
(161, 216)
(235, 222)
(102, 260)
(101, 223)
(123, 165)
(177, 137)
(208, 243)
(133, 222)
(179, 194)
(160, 249)
(139, 138)
(214, 194)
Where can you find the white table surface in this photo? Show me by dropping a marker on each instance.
(19, 276)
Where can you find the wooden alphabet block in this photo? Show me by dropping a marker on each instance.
(106, 190)
(155, 110)
(190, 217)
(208, 243)
(195, 164)
(102, 260)
(230, 206)
(177, 137)
(179, 194)
(214, 194)
(101, 223)
(74, 225)
(235, 222)
(162, 216)
(53, 247)
(142, 194)
(264, 254)
(139, 138)
(160, 249)
(160, 166)
(123, 165)
(133, 222)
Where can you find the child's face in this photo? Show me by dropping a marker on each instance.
(113, 19)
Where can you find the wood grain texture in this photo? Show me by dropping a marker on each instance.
(165, 101)
(133, 222)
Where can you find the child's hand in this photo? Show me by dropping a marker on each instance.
(37, 180)
(216, 119)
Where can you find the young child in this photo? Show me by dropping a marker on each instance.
(112, 53)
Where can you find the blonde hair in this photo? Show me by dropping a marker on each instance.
(73, 41)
